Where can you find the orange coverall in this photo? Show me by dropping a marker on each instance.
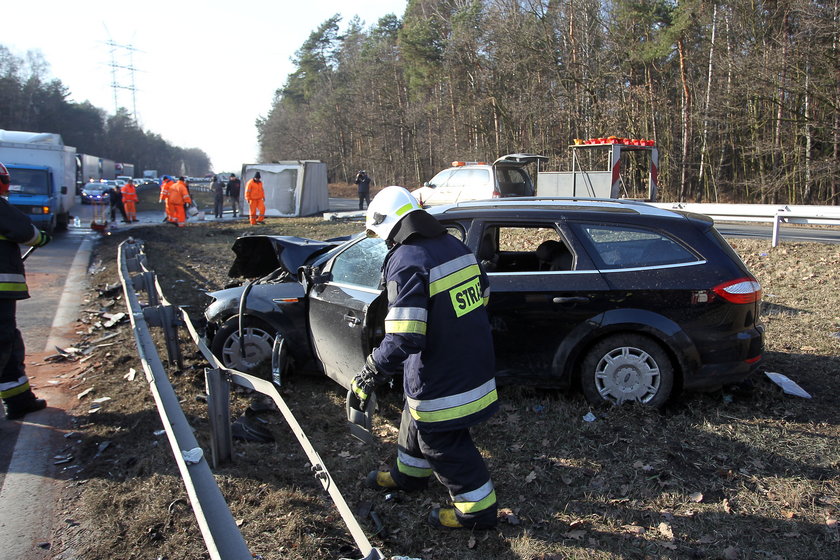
(164, 195)
(255, 195)
(129, 198)
(178, 196)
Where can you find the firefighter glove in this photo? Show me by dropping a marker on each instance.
(43, 239)
(365, 383)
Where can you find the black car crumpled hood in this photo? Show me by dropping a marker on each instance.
(259, 255)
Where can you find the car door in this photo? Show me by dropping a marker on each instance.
(537, 313)
(342, 327)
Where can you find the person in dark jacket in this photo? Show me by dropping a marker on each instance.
(233, 187)
(15, 228)
(115, 200)
(437, 334)
(217, 187)
(363, 181)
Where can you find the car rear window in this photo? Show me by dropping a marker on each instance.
(615, 247)
(513, 181)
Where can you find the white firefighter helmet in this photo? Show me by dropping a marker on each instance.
(387, 208)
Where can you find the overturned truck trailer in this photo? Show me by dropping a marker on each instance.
(292, 188)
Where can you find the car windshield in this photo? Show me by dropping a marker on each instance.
(29, 181)
(360, 264)
(441, 178)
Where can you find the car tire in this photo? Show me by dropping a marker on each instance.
(259, 340)
(627, 367)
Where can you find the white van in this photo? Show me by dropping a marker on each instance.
(473, 180)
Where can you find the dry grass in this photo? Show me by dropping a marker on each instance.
(745, 472)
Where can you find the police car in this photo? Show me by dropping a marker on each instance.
(620, 299)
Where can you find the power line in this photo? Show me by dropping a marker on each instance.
(122, 73)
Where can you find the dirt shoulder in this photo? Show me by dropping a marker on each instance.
(744, 472)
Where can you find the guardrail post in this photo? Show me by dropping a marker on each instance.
(145, 281)
(164, 316)
(776, 223)
(218, 408)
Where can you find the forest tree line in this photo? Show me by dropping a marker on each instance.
(741, 97)
(31, 100)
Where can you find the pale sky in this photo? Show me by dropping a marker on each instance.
(204, 70)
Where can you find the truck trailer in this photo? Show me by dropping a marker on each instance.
(43, 172)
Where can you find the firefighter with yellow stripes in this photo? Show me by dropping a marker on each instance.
(437, 334)
(15, 228)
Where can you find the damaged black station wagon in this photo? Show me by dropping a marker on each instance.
(625, 301)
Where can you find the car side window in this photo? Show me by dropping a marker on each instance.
(524, 249)
(616, 247)
(472, 178)
(360, 264)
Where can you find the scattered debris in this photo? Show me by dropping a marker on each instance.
(788, 386)
(84, 393)
(589, 417)
(132, 373)
(61, 459)
(193, 456)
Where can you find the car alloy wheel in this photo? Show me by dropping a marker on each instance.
(627, 367)
(259, 341)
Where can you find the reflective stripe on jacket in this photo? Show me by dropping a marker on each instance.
(129, 193)
(164, 190)
(178, 194)
(15, 228)
(437, 333)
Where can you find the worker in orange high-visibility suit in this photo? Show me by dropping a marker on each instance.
(178, 196)
(165, 183)
(255, 195)
(129, 198)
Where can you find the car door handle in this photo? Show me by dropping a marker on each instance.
(571, 299)
(352, 321)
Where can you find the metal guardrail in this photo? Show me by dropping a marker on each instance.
(774, 214)
(222, 537)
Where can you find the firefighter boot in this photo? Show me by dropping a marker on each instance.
(379, 480)
(445, 518)
(20, 405)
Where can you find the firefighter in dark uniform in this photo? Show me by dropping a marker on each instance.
(15, 228)
(437, 333)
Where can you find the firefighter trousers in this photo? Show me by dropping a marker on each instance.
(454, 459)
(14, 385)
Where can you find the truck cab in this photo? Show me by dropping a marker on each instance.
(32, 192)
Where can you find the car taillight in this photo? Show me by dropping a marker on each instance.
(742, 290)
(496, 194)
